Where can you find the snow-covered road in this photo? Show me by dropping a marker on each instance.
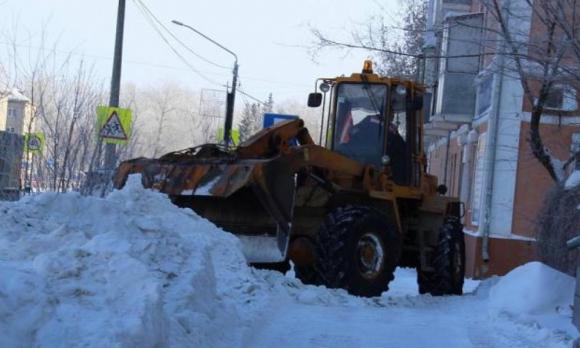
(133, 270)
(401, 318)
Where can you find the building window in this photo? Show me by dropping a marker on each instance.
(555, 98)
(461, 40)
(561, 98)
(484, 94)
(11, 112)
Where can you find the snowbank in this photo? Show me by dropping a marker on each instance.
(533, 288)
(130, 270)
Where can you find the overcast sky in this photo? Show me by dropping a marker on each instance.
(265, 34)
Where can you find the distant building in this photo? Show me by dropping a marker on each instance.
(16, 112)
(16, 119)
(477, 124)
(11, 154)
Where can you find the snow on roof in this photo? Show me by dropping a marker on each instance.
(15, 95)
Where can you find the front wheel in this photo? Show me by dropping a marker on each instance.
(358, 249)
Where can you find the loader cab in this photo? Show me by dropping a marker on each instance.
(377, 121)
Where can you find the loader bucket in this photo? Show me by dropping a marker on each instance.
(251, 198)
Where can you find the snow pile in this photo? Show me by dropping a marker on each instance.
(533, 289)
(131, 270)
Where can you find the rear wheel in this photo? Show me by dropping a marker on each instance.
(281, 267)
(357, 250)
(448, 262)
(307, 274)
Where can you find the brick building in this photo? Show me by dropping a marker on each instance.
(477, 125)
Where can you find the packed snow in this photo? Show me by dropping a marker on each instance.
(536, 292)
(533, 288)
(132, 270)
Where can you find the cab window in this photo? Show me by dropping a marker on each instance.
(359, 125)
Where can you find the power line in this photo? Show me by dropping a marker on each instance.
(249, 95)
(179, 40)
(331, 43)
(241, 91)
(147, 12)
(150, 20)
(149, 64)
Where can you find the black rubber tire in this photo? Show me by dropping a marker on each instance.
(448, 262)
(307, 274)
(338, 238)
(281, 267)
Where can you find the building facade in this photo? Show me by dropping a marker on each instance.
(478, 125)
(11, 154)
(16, 112)
(16, 119)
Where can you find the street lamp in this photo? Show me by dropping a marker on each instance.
(231, 97)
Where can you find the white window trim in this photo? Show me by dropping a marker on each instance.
(477, 188)
(569, 102)
(575, 143)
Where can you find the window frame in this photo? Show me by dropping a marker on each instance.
(386, 108)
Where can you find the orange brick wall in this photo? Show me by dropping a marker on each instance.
(532, 179)
(504, 255)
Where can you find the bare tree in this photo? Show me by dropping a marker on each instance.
(541, 60)
(63, 94)
(395, 44)
(165, 119)
(311, 116)
(66, 108)
(210, 115)
(251, 121)
(547, 57)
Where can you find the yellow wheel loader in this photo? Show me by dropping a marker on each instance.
(345, 213)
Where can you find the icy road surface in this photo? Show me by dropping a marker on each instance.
(133, 270)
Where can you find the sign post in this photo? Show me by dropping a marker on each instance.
(33, 144)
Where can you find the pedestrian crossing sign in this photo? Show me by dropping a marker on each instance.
(113, 125)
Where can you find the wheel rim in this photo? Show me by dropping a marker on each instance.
(370, 255)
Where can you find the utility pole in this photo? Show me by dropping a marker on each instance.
(231, 96)
(230, 108)
(110, 150)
